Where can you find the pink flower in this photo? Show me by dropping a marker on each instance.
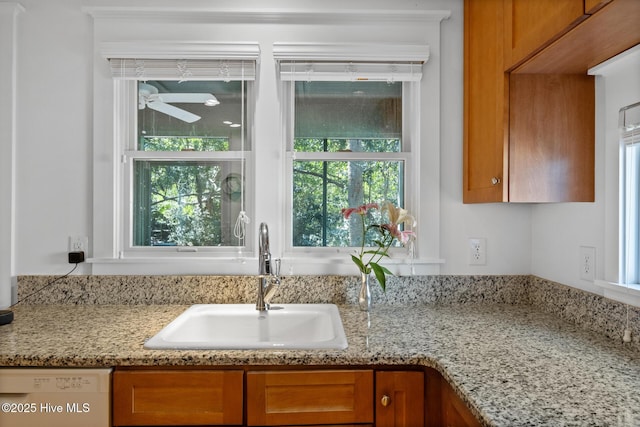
(360, 210)
(369, 260)
(347, 212)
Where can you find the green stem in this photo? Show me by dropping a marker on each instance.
(364, 231)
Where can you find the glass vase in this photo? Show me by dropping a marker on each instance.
(364, 296)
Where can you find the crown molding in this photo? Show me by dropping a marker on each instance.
(273, 16)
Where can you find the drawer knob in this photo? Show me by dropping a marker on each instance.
(385, 401)
(495, 180)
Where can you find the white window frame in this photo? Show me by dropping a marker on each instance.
(373, 63)
(135, 29)
(124, 140)
(629, 196)
(611, 80)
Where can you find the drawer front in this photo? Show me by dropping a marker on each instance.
(309, 397)
(146, 398)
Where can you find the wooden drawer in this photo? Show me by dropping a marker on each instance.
(309, 397)
(166, 397)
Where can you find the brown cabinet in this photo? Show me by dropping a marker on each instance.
(529, 106)
(454, 412)
(530, 25)
(592, 6)
(325, 397)
(252, 396)
(400, 398)
(551, 138)
(177, 397)
(611, 28)
(529, 131)
(486, 89)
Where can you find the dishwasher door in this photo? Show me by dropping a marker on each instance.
(55, 397)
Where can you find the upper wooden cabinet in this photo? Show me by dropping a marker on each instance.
(611, 29)
(486, 89)
(529, 25)
(551, 138)
(592, 6)
(529, 108)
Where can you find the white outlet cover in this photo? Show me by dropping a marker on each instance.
(587, 263)
(477, 251)
(78, 243)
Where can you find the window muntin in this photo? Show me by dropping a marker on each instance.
(186, 179)
(347, 150)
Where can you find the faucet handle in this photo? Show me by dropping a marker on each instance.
(276, 266)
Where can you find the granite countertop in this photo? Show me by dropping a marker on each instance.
(513, 364)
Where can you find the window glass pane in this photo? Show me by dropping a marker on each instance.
(322, 188)
(631, 216)
(183, 144)
(205, 111)
(332, 145)
(344, 117)
(344, 110)
(186, 203)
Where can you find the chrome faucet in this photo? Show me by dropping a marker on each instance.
(268, 270)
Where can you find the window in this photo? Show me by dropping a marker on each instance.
(630, 194)
(184, 160)
(351, 142)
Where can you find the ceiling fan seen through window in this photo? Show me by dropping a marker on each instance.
(148, 96)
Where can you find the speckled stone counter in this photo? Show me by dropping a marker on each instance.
(514, 364)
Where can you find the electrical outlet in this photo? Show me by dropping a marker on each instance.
(477, 251)
(587, 263)
(78, 244)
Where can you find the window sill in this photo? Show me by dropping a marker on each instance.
(628, 294)
(248, 265)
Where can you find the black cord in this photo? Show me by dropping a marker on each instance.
(47, 285)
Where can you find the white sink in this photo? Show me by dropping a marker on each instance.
(241, 326)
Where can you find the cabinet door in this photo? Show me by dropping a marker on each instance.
(552, 134)
(485, 108)
(531, 25)
(591, 6)
(454, 412)
(309, 397)
(155, 398)
(399, 399)
(610, 30)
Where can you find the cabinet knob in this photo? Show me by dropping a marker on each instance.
(495, 180)
(385, 401)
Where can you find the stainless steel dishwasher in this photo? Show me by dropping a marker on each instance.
(55, 397)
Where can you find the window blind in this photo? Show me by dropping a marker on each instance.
(630, 124)
(350, 71)
(350, 62)
(182, 69)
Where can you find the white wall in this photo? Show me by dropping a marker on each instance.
(55, 130)
(559, 230)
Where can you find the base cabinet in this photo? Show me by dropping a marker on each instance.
(400, 398)
(286, 398)
(175, 397)
(454, 412)
(250, 396)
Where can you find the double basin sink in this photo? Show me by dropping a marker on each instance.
(242, 327)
